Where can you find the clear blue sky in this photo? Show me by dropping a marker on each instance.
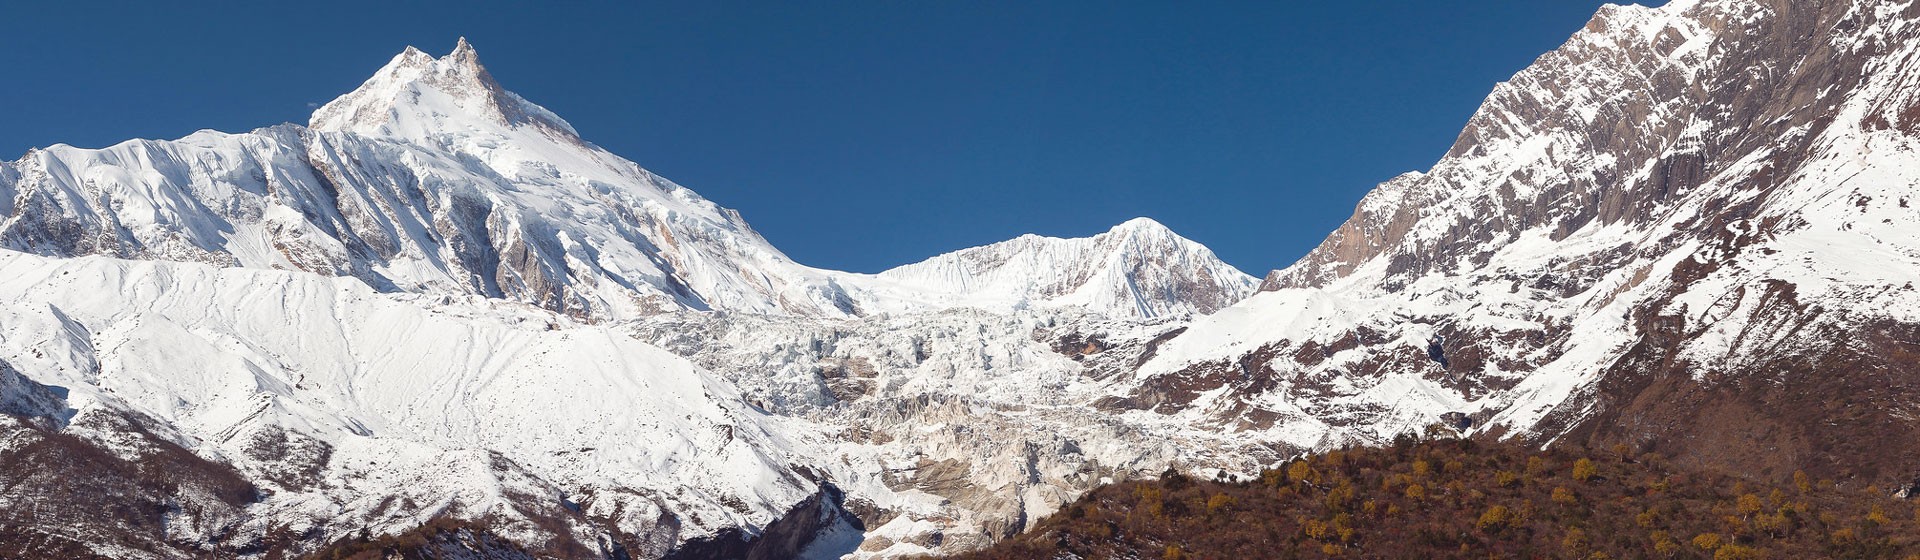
(860, 135)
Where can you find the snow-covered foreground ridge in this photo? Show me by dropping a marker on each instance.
(336, 400)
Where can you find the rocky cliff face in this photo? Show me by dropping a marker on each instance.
(1686, 229)
(1616, 127)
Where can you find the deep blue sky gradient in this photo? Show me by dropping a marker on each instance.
(860, 135)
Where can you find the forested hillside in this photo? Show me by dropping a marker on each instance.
(1455, 498)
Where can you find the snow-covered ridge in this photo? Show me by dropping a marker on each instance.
(339, 400)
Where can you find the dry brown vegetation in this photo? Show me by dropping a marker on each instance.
(1467, 499)
(437, 539)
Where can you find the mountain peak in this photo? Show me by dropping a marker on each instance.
(1140, 225)
(418, 96)
(1138, 269)
(463, 51)
(412, 56)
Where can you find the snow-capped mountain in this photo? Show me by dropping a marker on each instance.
(431, 178)
(1688, 229)
(434, 309)
(1137, 269)
(436, 313)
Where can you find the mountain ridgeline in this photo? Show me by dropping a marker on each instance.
(436, 322)
(431, 178)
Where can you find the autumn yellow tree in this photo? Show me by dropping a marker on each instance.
(1707, 541)
(1315, 529)
(1775, 525)
(1747, 505)
(1495, 519)
(1663, 544)
(1584, 469)
(1576, 542)
(1878, 516)
(1219, 501)
(1303, 473)
(1150, 500)
(1563, 496)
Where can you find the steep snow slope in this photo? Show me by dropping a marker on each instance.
(381, 412)
(1687, 229)
(1137, 269)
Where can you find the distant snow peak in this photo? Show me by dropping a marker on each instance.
(1137, 269)
(1155, 236)
(1140, 224)
(416, 95)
